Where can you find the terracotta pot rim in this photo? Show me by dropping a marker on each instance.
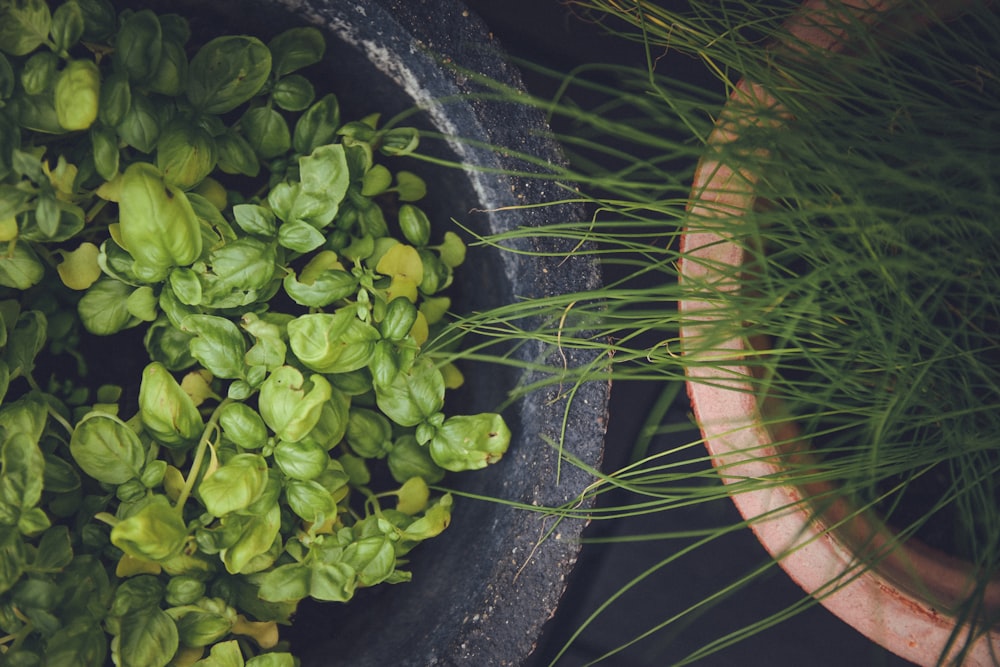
(898, 601)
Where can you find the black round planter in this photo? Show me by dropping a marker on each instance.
(482, 591)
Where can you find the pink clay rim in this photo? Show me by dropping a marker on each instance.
(900, 602)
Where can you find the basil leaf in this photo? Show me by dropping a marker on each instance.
(470, 442)
(332, 582)
(296, 48)
(107, 449)
(317, 126)
(226, 72)
(243, 425)
(293, 93)
(323, 289)
(219, 345)
(148, 638)
(24, 26)
(168, 413)
(301, 460)
(103, 308)
(21, 469)
(290, 406)
(235, 485)
(266, 131)
(414, 395)
(332, 343)
(139, 44)
(20, 267)
(155, 532)
(288, 582)
(310, 500)
(369, 433)
(254, 219)
(257, 534)
(372, 558)
(300, 236)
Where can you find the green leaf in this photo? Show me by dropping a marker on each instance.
(408, 459)
(470, 442)
(106, 155)
(323, 289)
(158, 224)
(243, 425)
(82, 642)
(317, 126)
(12, 559)
(296, 48)
(107, 449)
(410, 187)
(155, 532)
(60, 475)
(185, 154)
(332, 582)
(219, 345)
(234, 485)
(325, 177)
(269, 348)
(293, 93)
(198, 626)
(55, 550)
(116, 99)
(20, 267)
(290, 406)
(24, 343)
(301, 460)
(21, 471)
(236, 155)
(224, 654)
(432, 523)
(257, 534)
(67, 25)
(369, 433)
(415, 225)
(372, 558)
(226, 72)
(414, 395)
(332, 343)
(300, 236)
(138, 45)
(310, 500)
(266, 131)
(168, 413)
(104, 309)
(288, 582)
(140, 126)
(24, 25)
(254, 219)
(241, 271)
(272, 660)
(77, 92)
(147, 638)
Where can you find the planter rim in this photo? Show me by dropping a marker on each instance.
(899, 601)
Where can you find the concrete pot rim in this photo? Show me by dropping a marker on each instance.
(900, 601)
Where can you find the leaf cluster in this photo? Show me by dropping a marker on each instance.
(278, 437)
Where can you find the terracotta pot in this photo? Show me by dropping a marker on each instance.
(898, 595)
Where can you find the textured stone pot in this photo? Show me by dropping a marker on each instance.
(897, 595)
(482, 591)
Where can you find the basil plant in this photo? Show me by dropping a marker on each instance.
(174, 506)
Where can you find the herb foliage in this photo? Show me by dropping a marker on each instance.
(284, 282)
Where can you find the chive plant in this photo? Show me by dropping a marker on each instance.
(870, 283)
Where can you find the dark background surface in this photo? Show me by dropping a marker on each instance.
(545, 32)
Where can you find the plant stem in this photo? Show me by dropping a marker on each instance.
(199, 456)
